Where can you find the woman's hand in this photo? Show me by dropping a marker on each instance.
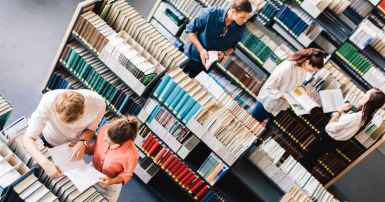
(345, 107)
(105, 182)
(308, 92)
(283, 97)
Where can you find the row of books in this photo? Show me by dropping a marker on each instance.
(167, 120)
(317, 120)
(105, 83)
(236, 91)
(298, 195)
(362, 7)
(93, 31)
(381, 6)
(5, 111)
(170, 37)
(123, 17)
(367, 33)
(221, 3)
(38, 186)
(11, 167)
(213, 196)
(212, 169)
(243, 73)
(174, 166)
(354, 58)
(376, 20)
(259, 45)
(268, 12)
(173, 14)
(338, 6)
(378, 42)
(183, 37)
(189, 8)
(293, 19)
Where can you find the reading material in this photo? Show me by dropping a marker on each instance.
(213, 57)
(300, 101)
(331, 100)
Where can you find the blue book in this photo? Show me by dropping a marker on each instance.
(186, 108)
(167, 90)
(181, 103)
(161, 85)
(193, 111)
(172, 95)
(153, 114)
(177, 99)
(124, 102)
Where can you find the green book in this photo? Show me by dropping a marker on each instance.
(78, 65)
(91, 76)
(71, 59)
(104, 90)
(84, 70)
(102, 85)
(95, 80)
(68, 56)
(112, 95)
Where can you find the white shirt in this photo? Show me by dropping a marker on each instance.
(345, 126)
(56, 132)
(285, 78)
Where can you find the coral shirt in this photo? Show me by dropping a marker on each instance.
(120, 161)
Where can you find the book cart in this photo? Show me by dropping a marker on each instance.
(243, 181)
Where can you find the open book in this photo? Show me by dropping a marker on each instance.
(213, 57)
(300, 101)
(331, 100)
(81, 174)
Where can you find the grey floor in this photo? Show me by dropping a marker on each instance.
(30, 34)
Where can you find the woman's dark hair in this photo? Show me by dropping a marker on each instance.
(124, 129)
(314, 55)
(375, 102)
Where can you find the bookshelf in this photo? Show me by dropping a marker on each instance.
(242, 181)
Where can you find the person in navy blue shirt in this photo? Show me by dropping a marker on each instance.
(214, 29)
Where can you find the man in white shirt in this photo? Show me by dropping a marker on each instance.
(64, 116)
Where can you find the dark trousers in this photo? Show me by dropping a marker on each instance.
(45, 141)
(193, 68)
(321, 145)
(259, 112)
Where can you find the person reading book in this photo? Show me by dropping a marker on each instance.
(214, 29)
(343, 126)
(115, 155)
(288, 76)
(64, 116)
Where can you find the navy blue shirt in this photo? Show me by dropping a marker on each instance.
(208, 25)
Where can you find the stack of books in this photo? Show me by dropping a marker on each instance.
(167, 120)
(212, 169)
(259, 45)
(5, 111)
(174, 166)
(243, 73)
(61, 79)
(189, 8)
(354, 58)
(173, 14)
(367, 33)
(170, 37)
(293, 19)
(11, 167)
(362, 7)
(267, 13)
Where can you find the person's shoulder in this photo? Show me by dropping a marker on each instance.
(287, 65)
(92, 97)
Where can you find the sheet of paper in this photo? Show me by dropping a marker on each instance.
(84, 177)
(213, 57)
(61, 156)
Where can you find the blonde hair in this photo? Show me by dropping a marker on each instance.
(69, 106)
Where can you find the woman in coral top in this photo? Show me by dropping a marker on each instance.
(115, 155)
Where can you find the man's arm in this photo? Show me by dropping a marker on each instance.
(203, 52)
(50, 168)
(226, 52)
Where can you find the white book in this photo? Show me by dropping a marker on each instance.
(331, 100)
(300, 101)
(213, 57)
(21, 186)
(8, 178)
(50, 197)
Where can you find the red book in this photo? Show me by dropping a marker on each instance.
(149, 146)
(174, 169)
(179, 171)
(147, 141)
(192, 178)
(201, 192)
(172, 164)
(193, 184)
(168, 161)
(64, 54)
(196, 187)
(153, 148)
(161, 154)
(164, 159)
(185, 172)
(186, 177)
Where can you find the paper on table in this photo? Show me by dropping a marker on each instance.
(61, 156)
(84, 177)
(213, 57)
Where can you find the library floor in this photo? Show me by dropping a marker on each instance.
(31, 32)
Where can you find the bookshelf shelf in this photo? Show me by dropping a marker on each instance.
(252, 57)
(325, 23)
(182, 12)
(109, 106)
(185, 125)
(287, 36)
(291, 137)
(96, 56)
(177, 38)
(353, 15)
(235, 80)
(370, 53)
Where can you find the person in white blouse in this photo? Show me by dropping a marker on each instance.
(342, 127)
(288, 76)
(64, 116)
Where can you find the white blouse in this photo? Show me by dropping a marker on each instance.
(345, 126)
(285, 78)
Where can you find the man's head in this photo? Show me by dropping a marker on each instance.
(70, 107)
(240, 11)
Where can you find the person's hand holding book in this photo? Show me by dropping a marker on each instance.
(221, 54)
